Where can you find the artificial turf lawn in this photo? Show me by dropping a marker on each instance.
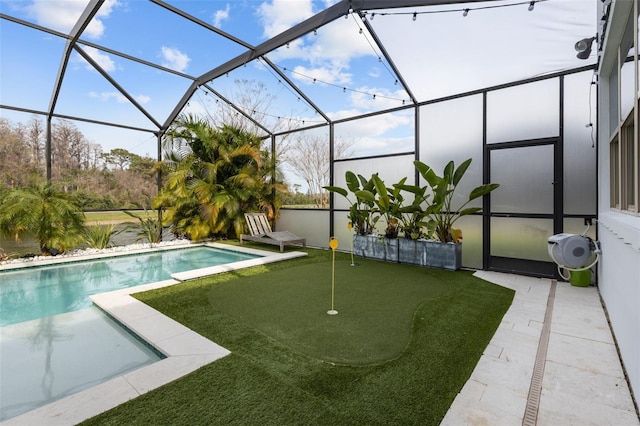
(402, 346)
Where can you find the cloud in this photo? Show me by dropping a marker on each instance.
(280, 15)
(62, 15)
(142, 99)
(221, 15)
(104, 60)
(107, 96)
(333, 75)
(118, 97)
(372, 127)
(174, 59)
(327, 55)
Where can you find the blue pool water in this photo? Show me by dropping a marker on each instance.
(45, 291)
(54, 343)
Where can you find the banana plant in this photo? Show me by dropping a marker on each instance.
(389, 203)
(441, 209)
(362, 209)
(413, 217)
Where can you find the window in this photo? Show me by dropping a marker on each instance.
(629, 164)
(614, 170)
(624, 162)
(624, 107)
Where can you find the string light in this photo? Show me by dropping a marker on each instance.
(249, 112)
(465, 11)
(344, 88)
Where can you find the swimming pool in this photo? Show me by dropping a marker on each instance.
(54, 343)
(39, 292)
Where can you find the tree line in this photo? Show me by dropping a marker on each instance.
(112, 180)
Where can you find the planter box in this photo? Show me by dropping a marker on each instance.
(432, 254)
(443, 255)
(411, 251)
(375, 247)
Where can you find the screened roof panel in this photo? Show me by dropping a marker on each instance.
(164, 38)
(87, 93)
(259, 92)
(340, 68)
(252, 21)
(22, 85)
(442, 52)
(439, 53)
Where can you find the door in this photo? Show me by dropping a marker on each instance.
(524, 211)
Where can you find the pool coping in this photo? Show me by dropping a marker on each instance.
(184, 349)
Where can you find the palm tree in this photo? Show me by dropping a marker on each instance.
(215, 176)
(52, 216)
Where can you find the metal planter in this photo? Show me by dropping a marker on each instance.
(431, 254)
(374, 247)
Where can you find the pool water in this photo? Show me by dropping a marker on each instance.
(52, 357)
(54, 342)
(40, 292)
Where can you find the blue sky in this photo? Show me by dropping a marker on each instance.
(338, 67)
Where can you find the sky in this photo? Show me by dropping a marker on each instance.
(437, 50)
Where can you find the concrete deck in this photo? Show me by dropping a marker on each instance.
(582, 379)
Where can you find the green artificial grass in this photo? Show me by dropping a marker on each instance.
(404, 343)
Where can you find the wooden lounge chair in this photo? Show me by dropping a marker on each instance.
(261, 232)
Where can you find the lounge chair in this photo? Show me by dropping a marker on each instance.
(261, 232)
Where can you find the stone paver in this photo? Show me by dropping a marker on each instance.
(583, 381)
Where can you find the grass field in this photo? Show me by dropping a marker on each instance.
(404, 343)
(110, 216)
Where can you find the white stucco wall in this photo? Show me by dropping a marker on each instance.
(618, 232)
(619, 283)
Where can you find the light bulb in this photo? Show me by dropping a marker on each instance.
(415, 16)
(465, 12)
(532, 5)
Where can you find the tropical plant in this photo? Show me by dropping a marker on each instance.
(215, 175)
(362, 208)
(148, 228)
(412, 217)
(389, 202)
(441, 210)
(99, 236)
(51, 215)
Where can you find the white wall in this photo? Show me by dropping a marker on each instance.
(619, 282)
(312, 224)
(618, 232)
